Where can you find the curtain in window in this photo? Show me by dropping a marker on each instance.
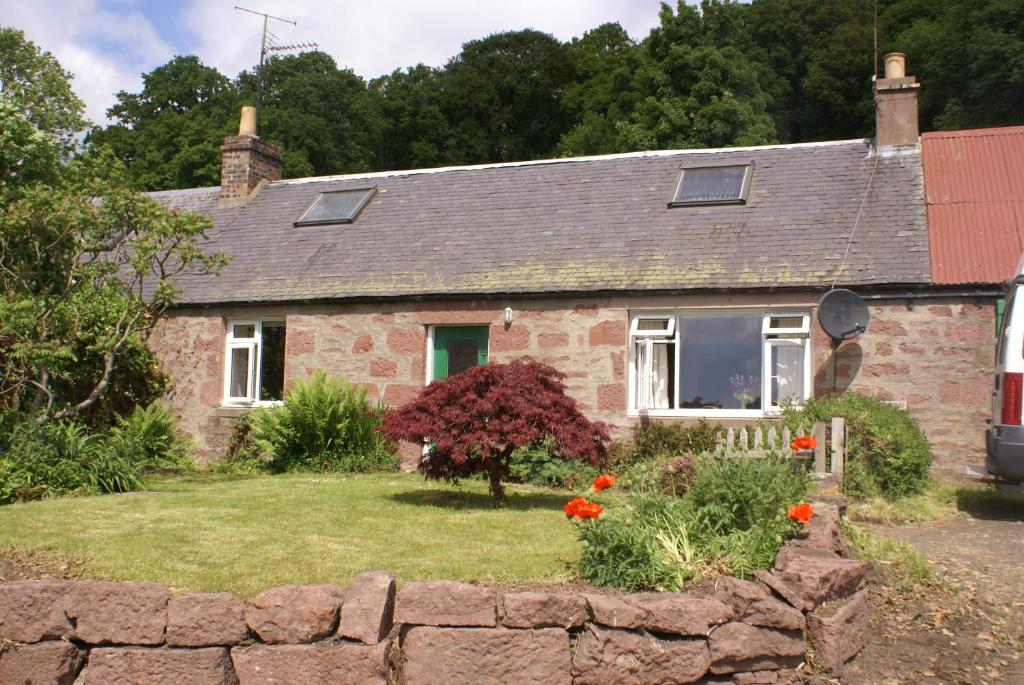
(789, 372)
(652, 375)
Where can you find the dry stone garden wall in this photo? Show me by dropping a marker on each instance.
(737, 631)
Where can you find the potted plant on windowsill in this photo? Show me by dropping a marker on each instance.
(744, 389)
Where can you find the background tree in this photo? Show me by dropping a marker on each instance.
(36, 85)
(502, 96)
(413, 129)
(700, 90)
(321, 116)
(604, 92)
(475, 421)
(169, 134)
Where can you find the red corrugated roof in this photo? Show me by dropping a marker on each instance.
(974, 186)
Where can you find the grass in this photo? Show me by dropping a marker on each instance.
(243, 534)
(907, 568)
(939, 500)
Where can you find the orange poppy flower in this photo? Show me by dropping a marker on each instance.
(801, 513)
(589, 510)
(572, 508)
(603, 482)
(804, 442)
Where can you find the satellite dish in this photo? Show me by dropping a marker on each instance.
(843, 314)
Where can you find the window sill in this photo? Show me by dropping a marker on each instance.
(706, 413)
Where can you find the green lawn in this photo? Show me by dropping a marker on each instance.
(245, 534)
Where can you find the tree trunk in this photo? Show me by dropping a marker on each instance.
(495, 473)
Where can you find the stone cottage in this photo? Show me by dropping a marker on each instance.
(670, 284)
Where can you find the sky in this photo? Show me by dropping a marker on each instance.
(109, 44)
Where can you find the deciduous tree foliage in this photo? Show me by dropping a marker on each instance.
(476, 419)
(726, 73)
(87, 266)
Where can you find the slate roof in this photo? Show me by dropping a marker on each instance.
(598, 224)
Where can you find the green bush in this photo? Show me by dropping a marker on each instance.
(325, 424)
(541, 465)
(887, 452)
(59, 458)
(149, 439)
(663, 476)
(664, 440)
(732, 518)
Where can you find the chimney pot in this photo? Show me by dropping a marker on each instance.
(247, 122)
(895, 66)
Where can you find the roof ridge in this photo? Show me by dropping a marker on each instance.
(563, 160)
(974, 132)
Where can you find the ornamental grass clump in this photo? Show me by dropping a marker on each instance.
(476, 420)
(733, 518)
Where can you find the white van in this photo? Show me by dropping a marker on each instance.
(1004, 440)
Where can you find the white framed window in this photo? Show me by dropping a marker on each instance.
(742, 363)
(254, 368)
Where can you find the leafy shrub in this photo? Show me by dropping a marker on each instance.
(731, 519)
(541, 465)
(743, 493)
(475, 420)
(325, 424)
(243, 455)
(58, 458)
(665, 440)
(887, 452)
(671, 476)
(149, 439)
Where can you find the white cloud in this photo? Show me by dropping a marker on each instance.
(109, 45)
(105, 50)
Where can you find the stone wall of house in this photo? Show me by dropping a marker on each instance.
(936, 356)
(737, 631)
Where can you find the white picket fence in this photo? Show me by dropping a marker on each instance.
(829, 452)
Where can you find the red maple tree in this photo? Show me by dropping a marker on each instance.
(475, 420)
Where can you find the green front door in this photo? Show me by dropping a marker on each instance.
(457, 348)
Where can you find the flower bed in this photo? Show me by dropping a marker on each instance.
(443, 631)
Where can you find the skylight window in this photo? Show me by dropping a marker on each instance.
(713, 185)
(336, 207)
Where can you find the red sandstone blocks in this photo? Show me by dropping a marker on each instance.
(680, 614)
(47, 662)
(753, 604)
(611, 397)
(611, 332)
(319, 664)
(512, 339)
(363, 344)
(549, 340)
(637, 658)
(741, 647)
(614, 611)
(543, 610)
(205, 619)
(880, 327)
(106, 612)
(300, 341)
(369, 608)
(486, 656)
(584, 310)
(839, 631)
(31, 611)
(446, 603)
(295, 613)
(387, 317)
(395, 395)
(406, 340)
(383, 368)
(978, 332)
(940, 310)
(146, 666)
(885, 370)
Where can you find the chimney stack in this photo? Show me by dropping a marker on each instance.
(896, 98)
(246, 161)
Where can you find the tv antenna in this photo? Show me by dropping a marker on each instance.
(270, 43)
